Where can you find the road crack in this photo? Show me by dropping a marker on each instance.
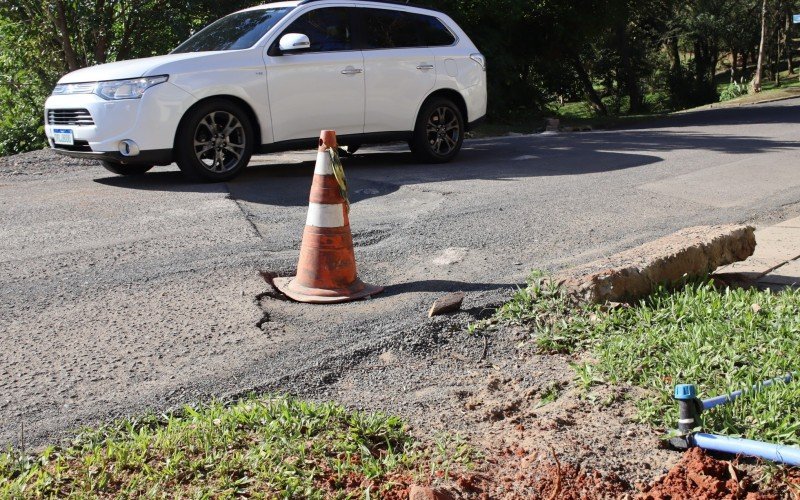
(247, 215)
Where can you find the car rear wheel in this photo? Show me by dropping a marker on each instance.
(215, 141)
(439, 132)
(121, 169)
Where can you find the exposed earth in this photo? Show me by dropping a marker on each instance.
(120, 296)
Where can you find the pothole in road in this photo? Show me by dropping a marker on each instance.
(369, 237)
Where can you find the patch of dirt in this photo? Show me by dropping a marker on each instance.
(541, 433)
(518, 473)
(699, 476)
(394, 487)
(41, 162)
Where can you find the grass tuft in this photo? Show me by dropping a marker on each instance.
(721, 340)
(259, 447)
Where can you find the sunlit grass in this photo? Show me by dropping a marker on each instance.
(259, 447)
(721, 340)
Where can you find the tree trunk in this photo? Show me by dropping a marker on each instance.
(674, 57)
(713, 61)
(631, 82)
(60, 21)
(761, 48)
(787, 43)
(586, 82)
(744, 64)
(778, 61)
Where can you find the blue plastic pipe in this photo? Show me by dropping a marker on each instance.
(774, 452)
(729, 398)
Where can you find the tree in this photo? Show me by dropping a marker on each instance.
(43, 39)
(761, 48)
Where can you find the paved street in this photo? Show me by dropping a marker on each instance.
(122, 295)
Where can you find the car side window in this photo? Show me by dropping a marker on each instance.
(389, 29)
(433, 32)
(327, 29)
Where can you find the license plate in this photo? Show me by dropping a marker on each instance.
(63, 136)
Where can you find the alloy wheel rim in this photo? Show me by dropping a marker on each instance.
(443, 131)
(219, 141)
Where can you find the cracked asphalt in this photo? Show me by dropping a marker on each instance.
(120, 296)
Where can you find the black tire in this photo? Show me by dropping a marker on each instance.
(215, 141)
(121, 169)
(439, 131)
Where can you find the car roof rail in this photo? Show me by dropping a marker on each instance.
(390, 2)
(396, 2)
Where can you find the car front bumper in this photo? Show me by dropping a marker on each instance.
(150, 122)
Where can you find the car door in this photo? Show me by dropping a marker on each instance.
(321, 87)
(399, 69)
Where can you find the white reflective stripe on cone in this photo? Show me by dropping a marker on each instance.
(324, 165)
(320, 215)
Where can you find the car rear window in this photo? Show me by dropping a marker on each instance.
(241, 30)
(388, 29)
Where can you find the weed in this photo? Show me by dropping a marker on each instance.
(259, 447)
(550, 394)
(586, 375)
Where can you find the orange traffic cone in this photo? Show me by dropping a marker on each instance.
(326, 272)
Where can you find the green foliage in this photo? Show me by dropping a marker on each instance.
(545, 309)
(620, 57)
(733, 91)
(34, 53)
(259, 447)
(721, 340)
(21, 94)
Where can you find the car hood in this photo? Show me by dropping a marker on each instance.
(135, 68)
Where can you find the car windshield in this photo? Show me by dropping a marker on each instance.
(241, 30)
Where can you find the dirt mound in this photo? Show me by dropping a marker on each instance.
(517, 473)
(700, 477)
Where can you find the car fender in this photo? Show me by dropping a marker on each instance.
(242, 75)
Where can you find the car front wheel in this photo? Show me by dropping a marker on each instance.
(215, 141)
(121, 169)
(439, 131)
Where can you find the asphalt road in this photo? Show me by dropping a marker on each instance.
(124, 295)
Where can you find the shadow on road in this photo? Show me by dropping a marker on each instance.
(382, 171)
(444, 286)
(784, 112)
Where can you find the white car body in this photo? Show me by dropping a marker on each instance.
(364, 95)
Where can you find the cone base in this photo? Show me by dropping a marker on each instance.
(358, 290)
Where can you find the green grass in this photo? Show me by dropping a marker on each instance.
(259, 447)
(721, 340)
(787, 81)
(574, 114)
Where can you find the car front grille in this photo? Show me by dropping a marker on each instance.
(79, 117)
(82, 146)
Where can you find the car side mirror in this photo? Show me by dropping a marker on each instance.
(294, 42)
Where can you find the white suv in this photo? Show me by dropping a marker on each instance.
(270, 78)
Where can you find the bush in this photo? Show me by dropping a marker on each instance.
(733, 91)
(22, 125)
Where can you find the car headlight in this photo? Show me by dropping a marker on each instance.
(127, 89)
(74, 88)
(113, 89)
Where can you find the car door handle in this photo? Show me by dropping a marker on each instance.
(352, 71)
(425, 67)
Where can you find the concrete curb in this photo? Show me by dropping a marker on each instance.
(776, 261)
